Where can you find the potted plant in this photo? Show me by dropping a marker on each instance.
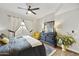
(64, 40)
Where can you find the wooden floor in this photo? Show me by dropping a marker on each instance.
(65, 53)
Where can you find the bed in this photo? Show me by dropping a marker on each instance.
(23, 46)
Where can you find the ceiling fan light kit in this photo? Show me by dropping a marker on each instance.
(29, 12)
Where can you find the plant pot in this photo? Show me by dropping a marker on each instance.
(63, 47)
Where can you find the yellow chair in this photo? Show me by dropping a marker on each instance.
(36, 35)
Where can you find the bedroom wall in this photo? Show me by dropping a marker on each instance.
(65, 23)
(46, 18)
(4, 21)
(70, 21)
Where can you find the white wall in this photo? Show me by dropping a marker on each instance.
(5, 21)
(49, 17)
(70, 21)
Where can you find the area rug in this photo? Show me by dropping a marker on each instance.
(49, 49)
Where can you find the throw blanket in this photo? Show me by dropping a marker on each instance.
(20, 43)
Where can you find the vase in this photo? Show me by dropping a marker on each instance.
(63, 47)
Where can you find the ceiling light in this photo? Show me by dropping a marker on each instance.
(29, 12)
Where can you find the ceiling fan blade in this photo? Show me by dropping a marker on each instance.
(21, 8)
(35, 9)
(33, 12)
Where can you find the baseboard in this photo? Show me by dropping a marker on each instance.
(72, 50)
(51, 54)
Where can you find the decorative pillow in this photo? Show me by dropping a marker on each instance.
(36, 35)
(4, 41)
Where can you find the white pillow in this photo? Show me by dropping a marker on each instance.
(34, 42)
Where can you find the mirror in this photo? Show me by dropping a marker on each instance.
(49, 26)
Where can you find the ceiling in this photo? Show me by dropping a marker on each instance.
(45, 8)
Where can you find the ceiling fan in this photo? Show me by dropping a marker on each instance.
(29, 9)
